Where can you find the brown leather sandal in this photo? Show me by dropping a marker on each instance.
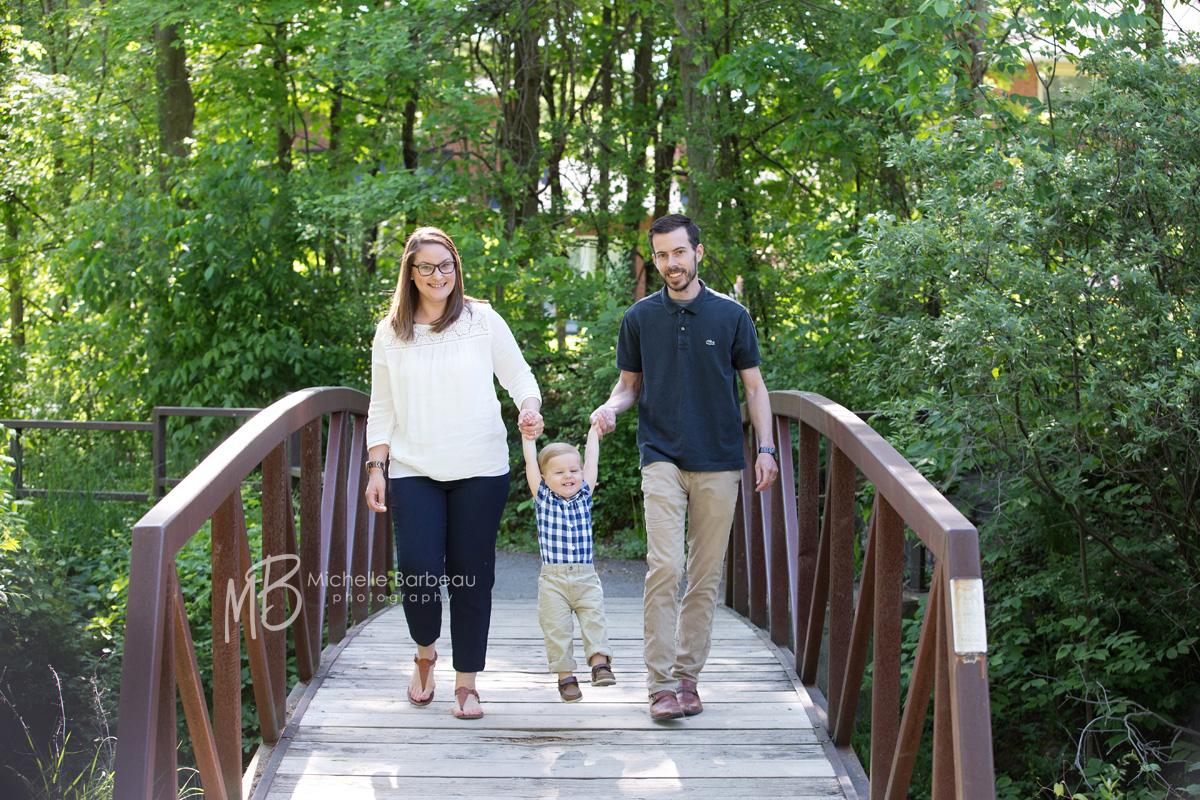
(461, 694)
(424, 667)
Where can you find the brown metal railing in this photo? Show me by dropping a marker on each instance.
(791, 559)
(339, 539)
(157, 428)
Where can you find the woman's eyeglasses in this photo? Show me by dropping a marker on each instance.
(446, 268)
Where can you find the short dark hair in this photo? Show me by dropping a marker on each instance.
(673, 222)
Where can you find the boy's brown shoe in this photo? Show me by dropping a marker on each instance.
(602, 675)
(569, 691)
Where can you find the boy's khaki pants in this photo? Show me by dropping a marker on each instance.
(563, 590)
(677, 639)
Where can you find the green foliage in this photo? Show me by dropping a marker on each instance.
(573, 383)
(1013, 283)
(1037, 320)
(53, 731)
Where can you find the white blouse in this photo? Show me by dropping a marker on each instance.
(433, 401)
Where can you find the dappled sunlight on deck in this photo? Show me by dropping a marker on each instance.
(359, 737)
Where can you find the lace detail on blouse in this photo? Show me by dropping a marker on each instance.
(471, 324)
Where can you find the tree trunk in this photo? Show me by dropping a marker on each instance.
(176, 103)
(665, 144)
(1154, 36)
(558, 198)
(603, 145)
(408, 138)
(641, 140)
(16, 284)
(520, 121)
(694, 63)
(51, 36)
(284, 133)
(971, 39)
(335, 144)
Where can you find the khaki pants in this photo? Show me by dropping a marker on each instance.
(564, 589)
(677, 638)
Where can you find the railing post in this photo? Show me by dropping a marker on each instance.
(380, 558)
(335, 485)
(839, 507)
(276, 509)
(756, 556)
(916, 705)
(819, 597)
(227, 645)
(885, 684)
(158, 453)
(358, 559)
(166, 765)
(914, 558)
(191, 695)
(140, 677)
(842, 720)
(943, 733)
(808, 530)
(737, 582)
(312, 538)
(14, 447)
(781, 503)
(270, 715)
(974, 767)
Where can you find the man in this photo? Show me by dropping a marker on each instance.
(680, 352)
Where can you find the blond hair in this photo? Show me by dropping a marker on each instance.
(554, 450)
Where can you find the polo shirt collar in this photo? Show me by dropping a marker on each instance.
(693, 307)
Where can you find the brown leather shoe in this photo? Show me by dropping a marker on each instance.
(568, 690)
(602, 675)
(664, 705)
(689, 699)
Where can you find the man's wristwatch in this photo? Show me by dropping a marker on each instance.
(373, 465)
(770, 450)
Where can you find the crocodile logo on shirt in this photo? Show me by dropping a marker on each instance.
(710, 342)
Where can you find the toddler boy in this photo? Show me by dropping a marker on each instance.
(562, 483)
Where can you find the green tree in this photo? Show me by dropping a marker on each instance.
(1063, 364)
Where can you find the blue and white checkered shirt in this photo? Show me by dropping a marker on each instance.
(564, 526)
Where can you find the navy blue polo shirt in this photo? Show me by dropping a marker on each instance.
(689, 357)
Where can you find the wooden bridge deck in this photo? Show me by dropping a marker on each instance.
(355, 735)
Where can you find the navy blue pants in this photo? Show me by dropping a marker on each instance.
(446, 534)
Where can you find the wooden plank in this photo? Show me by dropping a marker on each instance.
(359, 736)
(678, 736)
(368, 697)
(556, 760)
(323, 787)
(534, 689)
(545, 720)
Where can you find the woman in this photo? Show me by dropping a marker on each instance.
(435, 418)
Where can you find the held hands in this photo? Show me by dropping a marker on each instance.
(604, 420)
(765, 471)
(530, 423)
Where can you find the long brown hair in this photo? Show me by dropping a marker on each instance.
(406, 299)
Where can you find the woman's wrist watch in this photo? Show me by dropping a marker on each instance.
(374, 465)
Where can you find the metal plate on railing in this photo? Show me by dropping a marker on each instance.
(967, 613)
